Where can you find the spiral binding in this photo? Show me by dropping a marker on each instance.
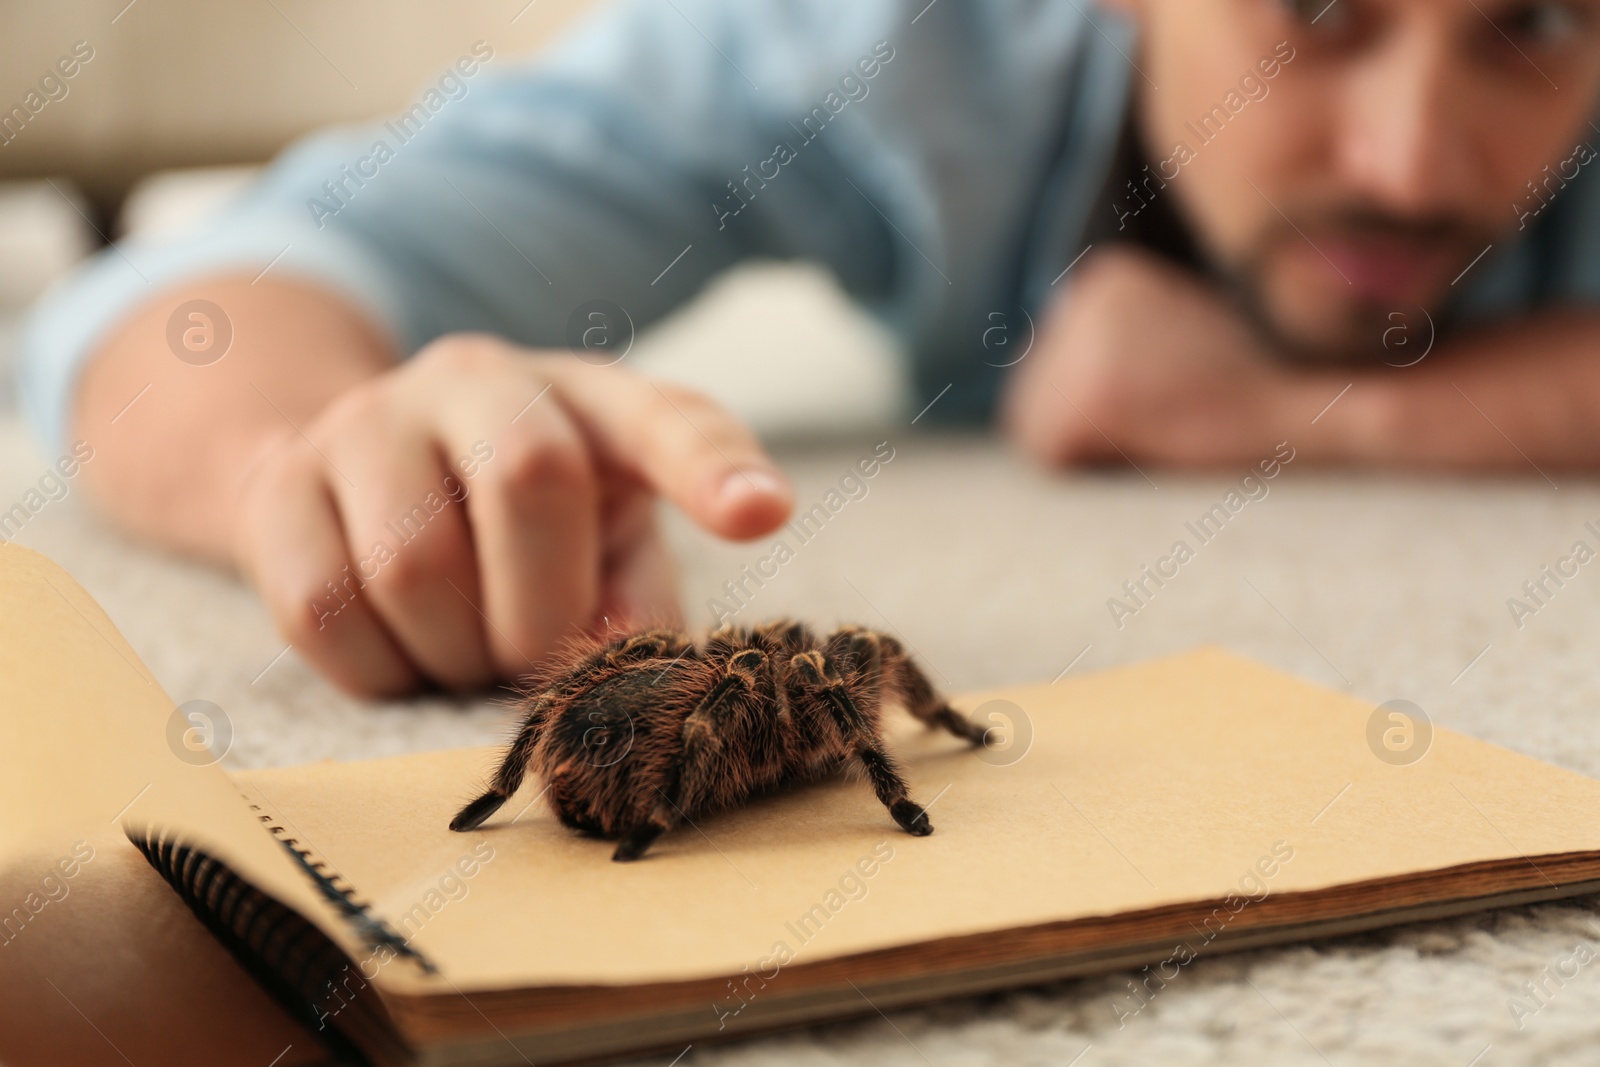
(374, 931)
(280, 948)
(293, 960)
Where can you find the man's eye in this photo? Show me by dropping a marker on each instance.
(1323, 14)
(1545, 24)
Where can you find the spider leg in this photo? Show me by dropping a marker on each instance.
(788, 634)
(699, 736)
(817, 673)
(508, 777)
(648, 645)
(514, 766)
(919, 695)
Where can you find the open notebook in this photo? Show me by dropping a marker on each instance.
(1160, 813)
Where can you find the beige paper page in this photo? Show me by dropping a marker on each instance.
(84, 744)
(1179, 780)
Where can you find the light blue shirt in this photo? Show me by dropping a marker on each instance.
(942, 160)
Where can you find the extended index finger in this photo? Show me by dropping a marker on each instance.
(682, 444)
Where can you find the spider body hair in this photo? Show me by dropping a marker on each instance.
(637, 732)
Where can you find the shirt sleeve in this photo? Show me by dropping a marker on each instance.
(653, 147)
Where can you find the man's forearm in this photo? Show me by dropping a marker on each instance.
(1526, 392)
(174, 440)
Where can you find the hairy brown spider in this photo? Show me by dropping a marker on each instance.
(633, 734)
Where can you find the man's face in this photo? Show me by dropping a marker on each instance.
(1366, 174)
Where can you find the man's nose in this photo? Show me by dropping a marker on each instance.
(1400, 143)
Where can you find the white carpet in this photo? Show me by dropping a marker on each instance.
(1387, 587)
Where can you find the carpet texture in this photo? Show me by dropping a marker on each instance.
(1385, 587)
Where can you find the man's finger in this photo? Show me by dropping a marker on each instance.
(407, 533)
(535, 526)
(639, 578)
(684, 446)
(294, 552)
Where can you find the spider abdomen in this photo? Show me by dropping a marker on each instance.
(606, 753)
(603, 745)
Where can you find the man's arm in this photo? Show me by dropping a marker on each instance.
(1522, 393)
(1142, 360)
(174, 442)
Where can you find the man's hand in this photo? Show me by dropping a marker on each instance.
(1141, 360)
(1144, 361)
(451, 519)
(457, 517)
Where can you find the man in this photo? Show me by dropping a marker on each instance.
(1364, 226)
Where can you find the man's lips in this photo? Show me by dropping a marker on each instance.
(1398, 271)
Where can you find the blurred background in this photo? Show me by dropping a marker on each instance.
(181, 100)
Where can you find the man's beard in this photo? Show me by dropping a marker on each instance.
(1368, 324)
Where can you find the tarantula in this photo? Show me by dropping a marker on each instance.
(633, 734)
